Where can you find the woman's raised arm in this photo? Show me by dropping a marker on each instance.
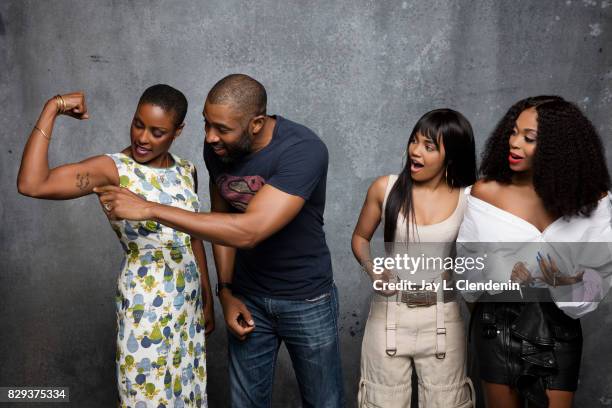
(68, 181)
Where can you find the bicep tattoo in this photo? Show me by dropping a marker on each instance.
(82, 181)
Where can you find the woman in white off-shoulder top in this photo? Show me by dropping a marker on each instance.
(542, 214)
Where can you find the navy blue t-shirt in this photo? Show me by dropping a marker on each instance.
(294, 263)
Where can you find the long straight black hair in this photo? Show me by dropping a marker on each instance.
(454, 131)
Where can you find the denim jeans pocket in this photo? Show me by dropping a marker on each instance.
(321, 298)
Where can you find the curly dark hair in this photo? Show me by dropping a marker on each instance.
(570, 173)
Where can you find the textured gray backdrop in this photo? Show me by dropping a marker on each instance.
(359, 73)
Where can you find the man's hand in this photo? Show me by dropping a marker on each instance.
(120, 203)
(237, 317)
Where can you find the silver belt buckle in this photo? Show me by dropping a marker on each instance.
(405, 298)
(412, 298)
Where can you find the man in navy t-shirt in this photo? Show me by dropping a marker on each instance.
(293, 263)
(267, 185)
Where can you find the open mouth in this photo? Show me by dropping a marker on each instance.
(141, 150)
(416, 166)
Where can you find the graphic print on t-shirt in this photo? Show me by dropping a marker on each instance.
(238, 190)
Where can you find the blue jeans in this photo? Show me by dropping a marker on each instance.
(309, 329)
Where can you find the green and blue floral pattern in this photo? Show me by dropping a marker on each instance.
(161, 356)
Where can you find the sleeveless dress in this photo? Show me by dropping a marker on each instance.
(161, 358)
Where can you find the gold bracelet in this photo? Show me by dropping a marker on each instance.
(60, 103)
(63, 103)
(42, 132)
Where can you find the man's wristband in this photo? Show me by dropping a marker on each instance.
(221, 286)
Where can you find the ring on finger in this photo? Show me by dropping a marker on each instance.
(107, 207)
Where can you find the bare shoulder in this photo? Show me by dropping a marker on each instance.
(486, 190)
(377, 189)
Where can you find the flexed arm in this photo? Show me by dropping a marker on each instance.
(68, 181)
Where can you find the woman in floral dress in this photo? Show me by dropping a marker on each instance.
(161, 318)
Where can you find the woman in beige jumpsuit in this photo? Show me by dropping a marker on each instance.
(424, 327)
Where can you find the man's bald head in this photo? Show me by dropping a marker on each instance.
(242, 92)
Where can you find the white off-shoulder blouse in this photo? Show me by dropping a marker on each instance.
(575, 243)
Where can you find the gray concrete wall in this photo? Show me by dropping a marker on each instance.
(359, 73)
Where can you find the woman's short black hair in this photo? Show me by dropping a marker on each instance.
(168, 98)
(570, 173)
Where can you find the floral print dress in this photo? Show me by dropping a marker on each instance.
(161, 358)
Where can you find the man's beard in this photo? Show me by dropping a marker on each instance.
(238, 150)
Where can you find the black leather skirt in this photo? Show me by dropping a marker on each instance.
(528, 346)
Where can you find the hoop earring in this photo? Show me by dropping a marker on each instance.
(404, 159)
